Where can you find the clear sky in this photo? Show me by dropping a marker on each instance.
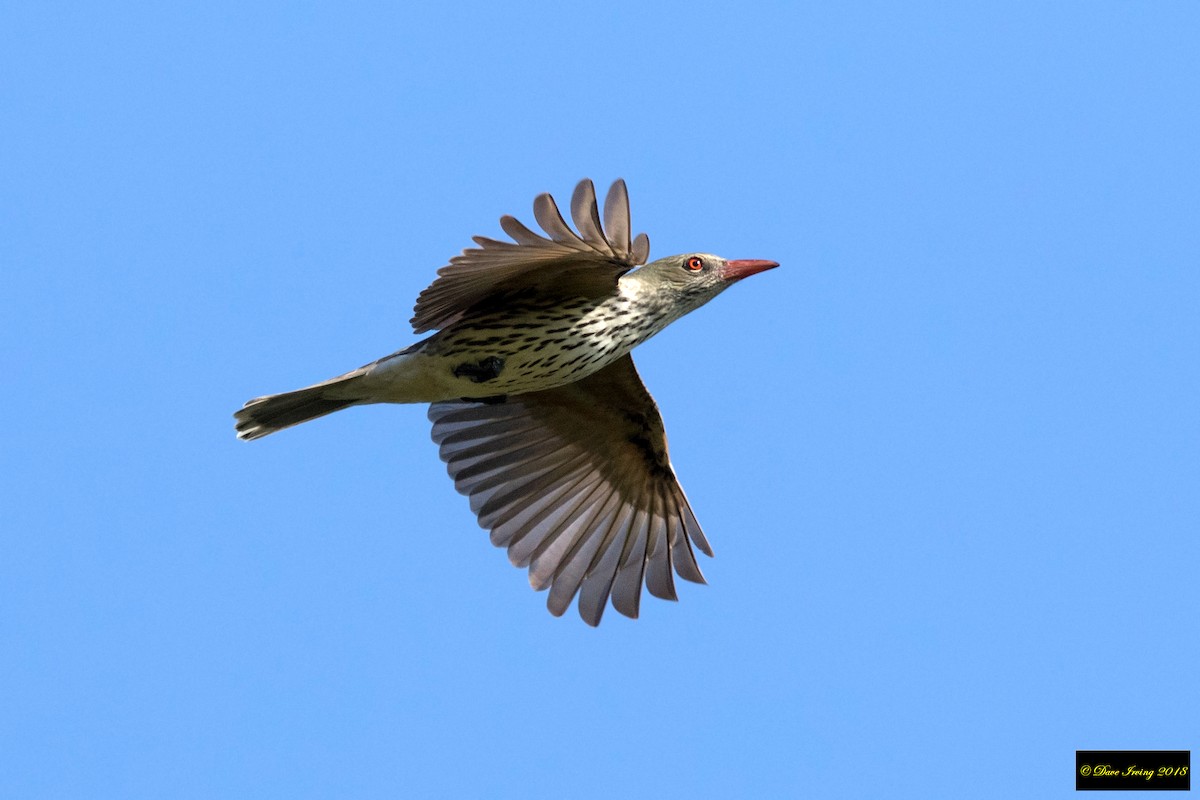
(948, 454)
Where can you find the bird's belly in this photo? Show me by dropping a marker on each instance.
(489, 357)
(510, 370)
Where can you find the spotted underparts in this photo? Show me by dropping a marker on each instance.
(480, 371)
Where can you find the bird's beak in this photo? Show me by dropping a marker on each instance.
(744, 268)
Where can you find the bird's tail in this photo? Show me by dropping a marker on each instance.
(264, 415)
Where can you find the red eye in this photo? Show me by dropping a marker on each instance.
(694, 264)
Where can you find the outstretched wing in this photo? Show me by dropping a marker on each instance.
(590, 261)
(577, 484)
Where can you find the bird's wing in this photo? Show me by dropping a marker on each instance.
(589, 261)
(576, 483)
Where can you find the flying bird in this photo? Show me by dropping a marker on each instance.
(537, 409)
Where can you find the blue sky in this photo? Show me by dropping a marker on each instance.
(947, 455)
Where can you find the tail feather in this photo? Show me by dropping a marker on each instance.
(264, 415)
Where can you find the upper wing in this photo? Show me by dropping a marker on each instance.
(536, 261)
(576, 483)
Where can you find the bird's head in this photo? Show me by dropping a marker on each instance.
(688, 281)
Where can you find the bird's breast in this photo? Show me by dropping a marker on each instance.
(537, 344)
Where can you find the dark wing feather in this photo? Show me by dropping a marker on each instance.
(587, 219)
(577, 484)
(616, 217)
(589, 262)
